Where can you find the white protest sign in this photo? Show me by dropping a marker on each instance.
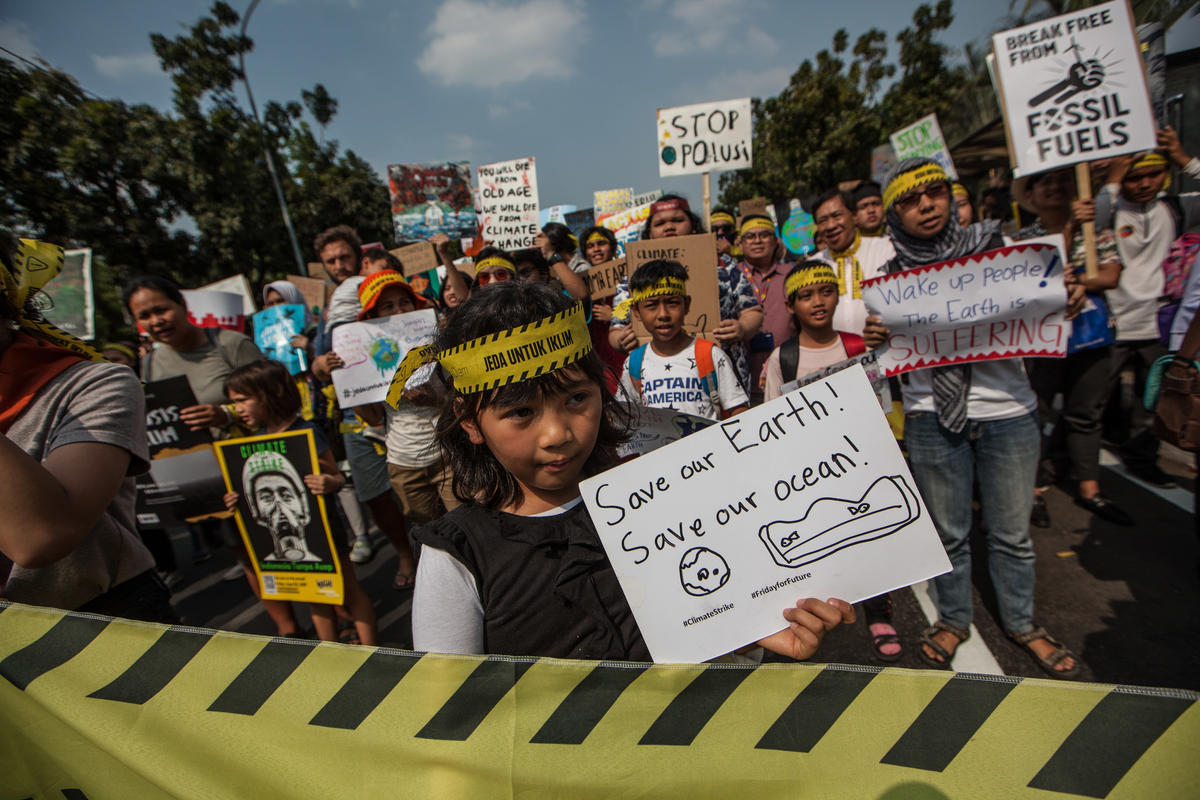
(373, 349)
(1073, 89)
(236, 284)
(870, 364)
(212, 309)
(714, 535)
(627, 225)
(508, 203)
(1003, 303)
(705, 137)
(651, 428)
(923, 139)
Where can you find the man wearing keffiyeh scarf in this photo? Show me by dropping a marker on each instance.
(963, 421)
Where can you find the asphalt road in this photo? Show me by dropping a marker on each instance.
(1125, 599)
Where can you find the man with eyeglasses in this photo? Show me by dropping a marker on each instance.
(1146, 224)
(854, 257)
(756, 237)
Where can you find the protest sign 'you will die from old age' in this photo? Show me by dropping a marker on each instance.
(714, 535)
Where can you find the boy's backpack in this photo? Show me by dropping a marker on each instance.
(704, 366)
(789, 353)
(1176, 267)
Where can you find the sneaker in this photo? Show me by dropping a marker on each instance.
(1150, 473)
(362, 551)
(1039, 517)
(233, 573)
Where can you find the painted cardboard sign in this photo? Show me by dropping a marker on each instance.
(373, 349)
(923, 139)
(705, 137)
(416, 258)
(1004, 303)
(610, 201)
(431, 198)
(602, 279)
(316, 292)
(714, 535)
(284, 526)
(1073, 89)
(508, 203)
(698, 254)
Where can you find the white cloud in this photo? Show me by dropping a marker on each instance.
(481, 43)
(501, 110)
(17, 37)
(460, 145)
(750, 83)
(123, 66)
(704, 26)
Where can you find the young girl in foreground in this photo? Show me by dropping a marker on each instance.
(267, 401)
(519, 568)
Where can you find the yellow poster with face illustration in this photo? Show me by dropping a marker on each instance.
(284, 526)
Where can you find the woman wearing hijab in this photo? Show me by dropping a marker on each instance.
(72, 436)
(965, 420)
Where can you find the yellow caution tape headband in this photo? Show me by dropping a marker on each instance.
(905, 182)
(756, 224)
(810, 276)
(498, 359)
(662, 286)
(34, 265)
(959, 190)
(494, 261)
(596, 236)
(721, 217)
(1155, 159)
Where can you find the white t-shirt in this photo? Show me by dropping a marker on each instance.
(810, 359)
(999, 390)
(410, 435)
(873, 252)
(343, 303)
(674, 382)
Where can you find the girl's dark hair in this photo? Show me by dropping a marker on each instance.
(153, 283)
(697, 225)
(532, 256)
(651, 272)
(478, 475)
(269, 383)
(560, 237)
(603, 231)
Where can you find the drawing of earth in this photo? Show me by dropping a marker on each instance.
(702, 571)
(385, 353)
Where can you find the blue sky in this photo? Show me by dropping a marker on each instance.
(574, 84)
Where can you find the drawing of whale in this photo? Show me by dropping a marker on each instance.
(832, 523)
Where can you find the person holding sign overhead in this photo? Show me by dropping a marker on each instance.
(963, 420)
(519, 568)
(1147, 222)
(741, 312)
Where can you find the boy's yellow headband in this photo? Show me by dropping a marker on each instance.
(596, 236)
(662, 286)
(808, 277)
(756, 224)
(498, 359)
(494, 261)
(1152, 159)
(907, 181)
(34, 265)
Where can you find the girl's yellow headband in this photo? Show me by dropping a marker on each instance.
(494, 261)
(905, 182)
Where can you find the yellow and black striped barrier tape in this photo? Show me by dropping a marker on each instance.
(99, 708)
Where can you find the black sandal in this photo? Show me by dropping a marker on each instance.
(928, 640)
(1051, 661)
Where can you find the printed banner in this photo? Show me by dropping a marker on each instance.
(713, 536)
(100, 708)
(1073, 89)
(372, 351)
(610, 201)
(508, 203)
(284, 526)
(212, 309)
(184, 481)
(705, 137)
(274, 328)
(236, 284)
(602, 279)
(1005, 303)
(431, 198)
(627, 225)
(652, 428)
(922, 139)
(698, 254)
